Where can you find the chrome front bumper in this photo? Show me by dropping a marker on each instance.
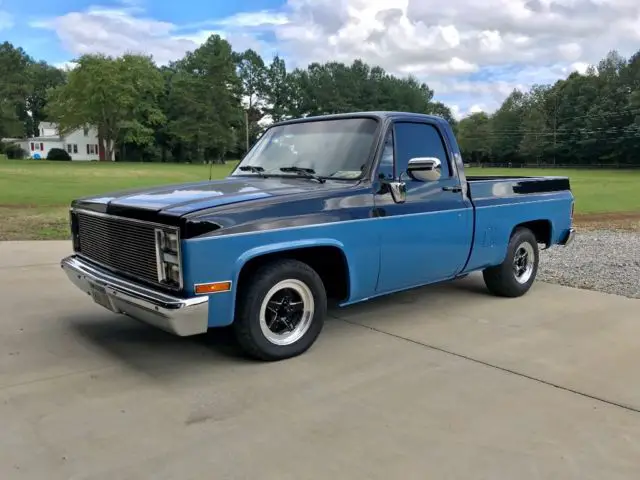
(180, 316)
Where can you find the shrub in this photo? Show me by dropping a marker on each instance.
(14, 152)
(58, 154)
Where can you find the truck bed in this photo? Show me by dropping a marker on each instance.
(481, 186)
(544, 204)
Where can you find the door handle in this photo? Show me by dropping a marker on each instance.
(454, 189)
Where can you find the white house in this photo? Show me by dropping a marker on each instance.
(81, 144)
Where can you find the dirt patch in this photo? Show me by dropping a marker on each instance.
(625, 221)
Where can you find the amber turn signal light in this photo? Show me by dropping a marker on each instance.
(216, 287)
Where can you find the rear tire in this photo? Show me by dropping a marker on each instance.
(516, 274)
(280, 310)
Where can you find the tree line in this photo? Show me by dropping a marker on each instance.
(207, 106)
(585, 119)
(214, 102)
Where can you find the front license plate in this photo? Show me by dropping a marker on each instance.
(100, 296)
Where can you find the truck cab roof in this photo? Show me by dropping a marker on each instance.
(378, 115)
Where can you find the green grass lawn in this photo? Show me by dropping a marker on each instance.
(35, 195)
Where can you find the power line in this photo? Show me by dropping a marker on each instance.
(504, 137)
(595, 115)
(622, 129)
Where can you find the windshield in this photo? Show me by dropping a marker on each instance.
(336, 149)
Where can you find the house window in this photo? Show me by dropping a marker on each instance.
(32, 147)
(92, 149)
(69, 148)
(86, 131)
(41, 147)
(72, 148)
(75, 148)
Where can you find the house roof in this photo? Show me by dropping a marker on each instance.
(48, 125)
(44, 139)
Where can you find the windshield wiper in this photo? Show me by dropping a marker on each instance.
(253, 169)
(305, 172)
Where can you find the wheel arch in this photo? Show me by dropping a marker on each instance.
(326, 256)
(542, 229)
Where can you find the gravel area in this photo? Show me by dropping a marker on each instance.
(603, 260)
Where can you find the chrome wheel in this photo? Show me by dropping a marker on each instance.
(524, 262)
(286, 312)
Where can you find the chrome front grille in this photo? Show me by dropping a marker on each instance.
(124, 245)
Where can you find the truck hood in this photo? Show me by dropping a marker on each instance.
(179, 200)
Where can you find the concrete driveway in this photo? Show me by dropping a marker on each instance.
(446, 383)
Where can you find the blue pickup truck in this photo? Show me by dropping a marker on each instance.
(330, 209)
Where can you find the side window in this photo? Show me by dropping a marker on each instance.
(419, 140)
(385, 169)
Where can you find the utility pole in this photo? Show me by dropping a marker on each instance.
(246, 126)
(555, 125)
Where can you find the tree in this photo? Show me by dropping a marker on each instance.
(277, 91)
(441, 110)
(117, 95)
(205, 97)
(506, 127)
(253, 75)
(42, 77)
(474, 137)
(14, 85)
(194, 108)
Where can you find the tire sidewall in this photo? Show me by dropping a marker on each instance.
(519, 237)
(250, 311)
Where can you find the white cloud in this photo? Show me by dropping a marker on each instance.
(65, 65)
(6, 20)
(116, 31)
(254, 19)
(580, 67)
(473, 53)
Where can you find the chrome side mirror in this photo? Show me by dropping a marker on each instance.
(425, 169)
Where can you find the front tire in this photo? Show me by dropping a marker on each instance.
(280, 310)
(516, 274)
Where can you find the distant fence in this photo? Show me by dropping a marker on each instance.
(595, 166)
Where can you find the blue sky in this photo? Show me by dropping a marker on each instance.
(46, 44)
(472, 53)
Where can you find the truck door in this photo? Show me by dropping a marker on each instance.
(427, 237)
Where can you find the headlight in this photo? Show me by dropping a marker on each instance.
(171, 242)
(168, 258)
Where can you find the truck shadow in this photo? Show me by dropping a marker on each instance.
(468, 289)
(150, 351)
(162, 356)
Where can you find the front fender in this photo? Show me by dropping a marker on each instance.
(282, 247)
(222, 259)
